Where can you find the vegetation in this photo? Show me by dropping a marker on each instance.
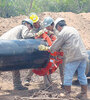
(16, 7)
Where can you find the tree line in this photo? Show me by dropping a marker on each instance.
(10, 8)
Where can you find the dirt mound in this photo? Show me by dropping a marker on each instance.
(8, 23)
(80, 21)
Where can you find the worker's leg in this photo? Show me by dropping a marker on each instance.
(0, 81)
(28, 78)
(83, 80)
(17, 81)
(81, 73)
(69, 71)
(0, 73)
(61, 71)
(61, 74)
(47, 81)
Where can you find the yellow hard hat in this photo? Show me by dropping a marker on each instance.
(34, 18)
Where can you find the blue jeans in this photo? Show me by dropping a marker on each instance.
(88, 51)
(70, 69)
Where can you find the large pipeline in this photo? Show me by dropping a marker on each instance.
(22, 54)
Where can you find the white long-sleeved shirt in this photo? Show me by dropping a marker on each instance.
(18, 32)
(71, 43)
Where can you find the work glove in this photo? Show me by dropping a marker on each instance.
(43, 48)
(50, 32)
(40, 33)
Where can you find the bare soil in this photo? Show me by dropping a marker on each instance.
(80, 21)
(35, 91)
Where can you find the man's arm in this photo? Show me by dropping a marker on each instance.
(26, 34)
(57, 44)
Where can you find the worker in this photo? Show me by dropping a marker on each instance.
(75, 56)
(37, 25)
(48, 23)
(19, 32)
(37, 28)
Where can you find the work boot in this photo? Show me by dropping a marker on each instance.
(83, 94)
(20, 87)
(27, 82)
(62, 86)
(17, 81)
(67, 90)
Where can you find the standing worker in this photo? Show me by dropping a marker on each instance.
(75, 56)
(15, 33)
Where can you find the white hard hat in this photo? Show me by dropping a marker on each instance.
(27, 20)
(47, 21)
(58, 20)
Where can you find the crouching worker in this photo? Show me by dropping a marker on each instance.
(19, 32)
(75, 56)
(50, 33)
(37, 26)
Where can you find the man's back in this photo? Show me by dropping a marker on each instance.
(14, 33)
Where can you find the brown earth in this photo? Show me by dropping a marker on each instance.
(82, 23)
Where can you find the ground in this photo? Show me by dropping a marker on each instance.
(36, 88)
(82, 23)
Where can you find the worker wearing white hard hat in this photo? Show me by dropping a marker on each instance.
(19, 32)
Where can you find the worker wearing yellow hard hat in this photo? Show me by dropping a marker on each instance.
(37, 27)
(36, 23)
(34, 18)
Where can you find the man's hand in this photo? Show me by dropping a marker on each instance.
(50, 32)
(40, 33)
(43, 48)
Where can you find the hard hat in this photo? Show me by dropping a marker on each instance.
(27, 21)
(47, 21)
(34, 17)
(58, 20)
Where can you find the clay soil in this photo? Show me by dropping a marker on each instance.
(80, 21)
(36, 90)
